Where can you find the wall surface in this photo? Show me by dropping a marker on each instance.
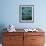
(9, 13)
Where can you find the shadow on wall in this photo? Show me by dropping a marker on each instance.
(2, 26)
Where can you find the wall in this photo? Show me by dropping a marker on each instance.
(9, 13)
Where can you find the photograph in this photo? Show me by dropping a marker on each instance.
(26, 13)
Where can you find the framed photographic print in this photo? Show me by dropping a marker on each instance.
(26, 13)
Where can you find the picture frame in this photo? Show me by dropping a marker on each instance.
(26, 13)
